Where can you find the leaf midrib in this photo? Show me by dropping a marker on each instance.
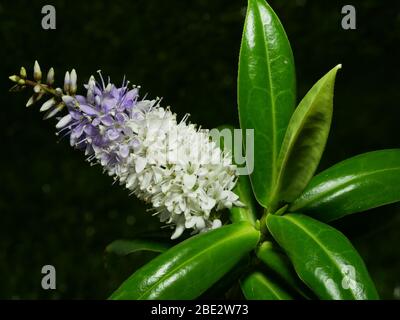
(265, 281)
(272, 98)
(343, 185)
(312, 237)
(282, 167)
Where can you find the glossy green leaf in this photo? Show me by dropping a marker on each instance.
(323, 258)
(188, 269)
(304, 141)
(360, 183)
(124, 247)
(256, 286)
(245, 193)
(266, 91)
(280, 264)
(243, 187)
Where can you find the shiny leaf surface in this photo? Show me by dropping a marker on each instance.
(280, 264)
(266, 91)
(304, 141)
(256, 286)
(188, 269)
(360, 183)
(323, 258)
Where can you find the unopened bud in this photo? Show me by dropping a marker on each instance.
(50, 77)
(37, 72)
(73, 80)
(22, 72)
(67, 81)
(14, 78)
(37, 88)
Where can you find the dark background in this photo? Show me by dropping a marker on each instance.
(56, 209)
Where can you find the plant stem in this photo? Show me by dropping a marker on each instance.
(44, 87)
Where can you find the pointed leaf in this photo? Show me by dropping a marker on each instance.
(323, 257)
(360, 183)
(304, 141)
(188, 269)
(256, 286)
(266, 91)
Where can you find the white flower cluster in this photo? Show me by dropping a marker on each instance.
(178, 169)
(174, 166)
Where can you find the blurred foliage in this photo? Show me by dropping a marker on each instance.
(56, 209)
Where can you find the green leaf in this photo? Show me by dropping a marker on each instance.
(221, 288)
(244, 191)
(256, 286)
(360, 183)
(304, 141)
(266, 91)
(124, 247)
(188, 269)
(323, 257)
(280, 264)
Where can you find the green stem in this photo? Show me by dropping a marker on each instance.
(44, 87)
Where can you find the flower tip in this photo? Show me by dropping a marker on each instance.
(47, 105)
(31, 101)
(50, 76)
(67, 99)
(72, 82)
(64, 121)
(67, 81)
(14, 78)
(178, 232)
(37, 72)
(22, 72)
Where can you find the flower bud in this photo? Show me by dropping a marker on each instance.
(36, 97)
(22, 73)
(67, 81)
(37, 72)
(73, 80)
(50, 77)
(14, 78)
(54, 111)
(37, 88)
(48, 104)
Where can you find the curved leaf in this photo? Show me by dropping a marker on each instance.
(191, 267)
(279, 263)
(257, 286)
(124, 247)
(266, 91)
(360, 183)
(323, 257)
(304, 141)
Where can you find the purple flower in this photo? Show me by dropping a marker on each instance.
(97, 121)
